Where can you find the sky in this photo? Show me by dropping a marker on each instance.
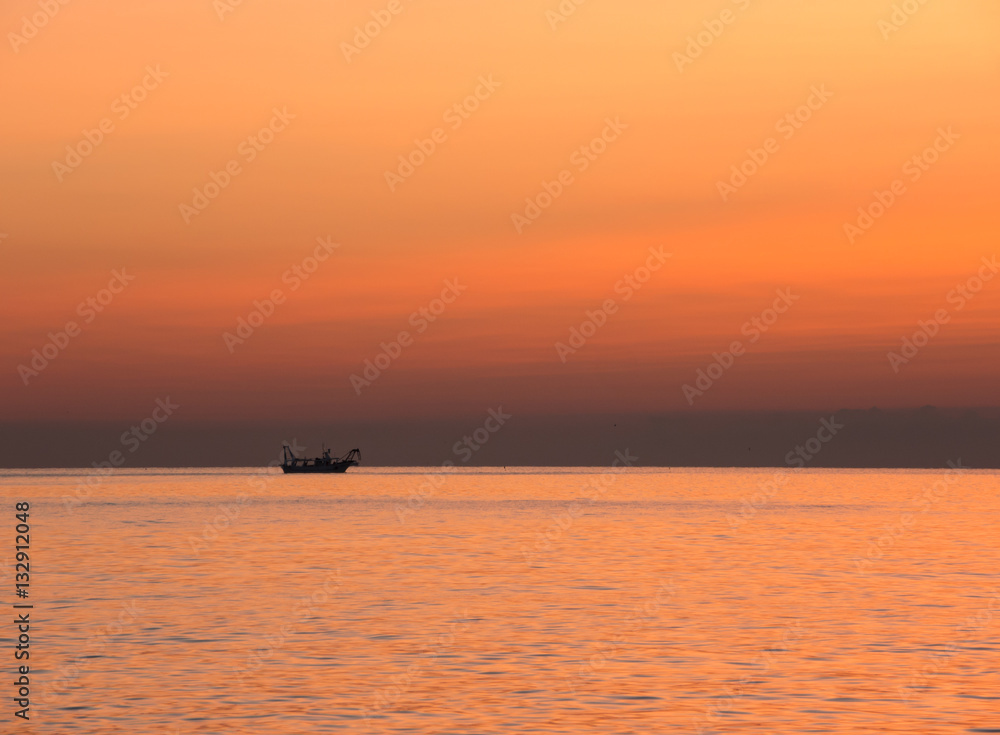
(560, 209)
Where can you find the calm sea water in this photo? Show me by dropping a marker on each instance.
(503, 601)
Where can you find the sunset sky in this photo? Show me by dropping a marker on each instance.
(340, 108)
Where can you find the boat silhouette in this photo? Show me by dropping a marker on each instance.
(292, 464)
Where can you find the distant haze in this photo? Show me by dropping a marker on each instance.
(918, 438)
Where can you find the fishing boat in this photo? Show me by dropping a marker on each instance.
(291, 464)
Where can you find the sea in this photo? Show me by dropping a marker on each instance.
(500, 600)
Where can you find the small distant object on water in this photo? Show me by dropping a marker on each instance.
(326, 463)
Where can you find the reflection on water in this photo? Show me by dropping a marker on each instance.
(550, 601)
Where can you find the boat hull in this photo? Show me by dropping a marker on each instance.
(320, 469)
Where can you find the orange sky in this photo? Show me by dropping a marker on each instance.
(552, 91)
